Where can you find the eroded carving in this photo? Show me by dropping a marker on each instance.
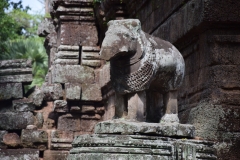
(141, 62)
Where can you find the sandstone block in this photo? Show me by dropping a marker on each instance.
(16, 75)
(66, 61)
(132, 147)
(91, 92)
(75, 109)
(34, 139)
(61, 136)
(88, 125)
(16, 63)
(91, 63)
(2, 133)
(38, 119)
(55, 155)
(72, 74)
(11, 90)
(91, 116)
(36, 97)
(90, 56)
(75, 34)
(67, 55)
(61, 140)
(15, 120)
(60, 106)
(68, 48)
(73, 91)
(11, 140)
(128, 127)
(69, 122)
(21, 154)
(23, 105)
(45, 27)
(104, 75)
(87, 109)
(52, 91)
(32, 127)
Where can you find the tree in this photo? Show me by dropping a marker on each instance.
(30, 48)
(11, 28)
(46, 4)
(19, 40)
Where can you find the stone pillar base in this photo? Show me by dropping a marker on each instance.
(139, 147)
(119, 126)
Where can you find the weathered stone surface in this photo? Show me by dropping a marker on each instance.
(91, 92)
(78, 74)
(45, 27)
(20, 154)
(88, 125)
(61, 136)
(90, 56)
(38, 119)
(32, 127)
(11, 140)
(91, 116)
(52, 91)
(16, 63)
(75, 34)
(69, 122)
(61, 140)
(55, 155)
(75, 109)
(37, 97)
(16, 78)
(68, 48)
(23, 105)
(34, 139)
(16, 120)
(2, 133)
(139, 147)
(128, 127)
(73, 91)
(11, 90)
(104, 75)
(87, 109)
(67, 57)
(91, 63)
(66, 61)
(60, 106)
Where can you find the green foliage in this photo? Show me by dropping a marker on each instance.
(19, 40)
(15, 22)
(30, 48)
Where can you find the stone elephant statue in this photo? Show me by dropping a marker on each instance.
(141, 62)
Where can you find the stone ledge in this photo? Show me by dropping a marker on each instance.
(131, 128)
(134, 147)
(32, 154)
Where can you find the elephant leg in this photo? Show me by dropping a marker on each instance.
(137, 106)
(119, 106)
(171, 107)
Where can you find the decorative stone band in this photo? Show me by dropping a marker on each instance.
(140, 147)
(135, 81)
(159, 129)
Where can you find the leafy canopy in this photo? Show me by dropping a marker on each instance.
(19, 40)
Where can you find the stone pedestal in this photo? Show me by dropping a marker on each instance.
(126, 140)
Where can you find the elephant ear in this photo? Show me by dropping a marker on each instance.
(136, 23)
(110, 23)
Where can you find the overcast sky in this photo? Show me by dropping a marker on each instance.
(35, 5)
